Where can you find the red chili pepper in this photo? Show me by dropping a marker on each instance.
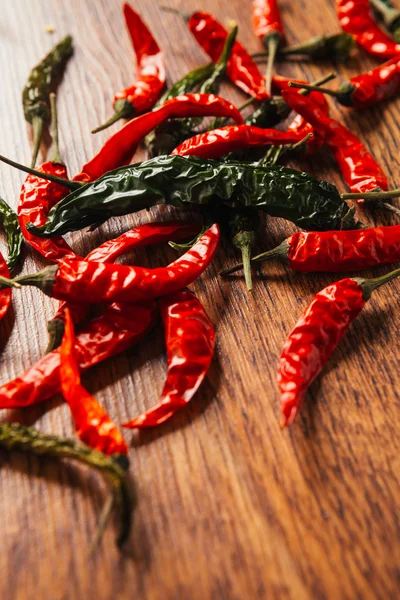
(89, 282)
(355, 17)
(120, 147)
(218, 142)
(268, 27)
(189, 337)
(93, 425)
(5, 295)
(36, 199)
(118, 328)
(367, 89)
(144, 93)
(335, 251)
(360, 171)
(317, 334)
(242, 70)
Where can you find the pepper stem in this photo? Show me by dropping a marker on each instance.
(370, 285)
(317, 83)
(272, 41)
(44, 279)
(123, 110)
(37, 126)
(280, 251)
(71, 185)
(372, 195)
(387, 206)
(245, 240)
(8, 283)
(55, 329)
(186, 16)
(56, 157)
(390, 16)
(313, 88)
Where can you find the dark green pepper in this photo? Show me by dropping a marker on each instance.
(9, 220)
(389, 15)
(187, 181)
(41, 81)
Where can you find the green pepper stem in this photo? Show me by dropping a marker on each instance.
(8, 283)
(280, 251)
(55, 329)
(370, 285)
(123, 110)
(44, 279)
(37, 126)
(56, 157)
(372, 195)
(389, 14)
(71, 185)
(272, 41)
(246, 258)
(186, 16)
(312, 88)
(387, 206)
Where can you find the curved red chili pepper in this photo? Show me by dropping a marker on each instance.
(145, 92)
(37, 197)
(355, 17)
(118, 328)
(312, 341)
(120, 147)
(360, 171)
(89, 282)
(93, 425)
(189, 337)
(266, 18)
(5, 294)
(242, 70)
(218, 142)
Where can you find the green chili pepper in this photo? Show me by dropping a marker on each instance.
(41, 81)
(188, 83)
(334, 47)
(188, 181)
(9, 220)
(168, 136)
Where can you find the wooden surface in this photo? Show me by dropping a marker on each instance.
(229, 506)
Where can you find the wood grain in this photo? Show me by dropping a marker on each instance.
(229, 506)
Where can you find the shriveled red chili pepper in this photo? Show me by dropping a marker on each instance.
(120, 147)
(355, 17)
(268, 27)
(150, 77)
(218, 142)
(5, 295)
(38, 196)
(367, 89)
(89, 282)
(189, 337)
(93, 425)
(138, 237)
(360, 170)
(335, 251)
(242, 69)
(317, 334)
(118, 328)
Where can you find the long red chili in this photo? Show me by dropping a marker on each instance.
(93, 425)
(189, 337)
(242, 70)
(268, 27)
(118, 328)
(355, 17)
(317, 334)
(360, 170)
(218, 142)
(89, 282)
(5, 295)
(120, 147)
(335, 251)
(150, 72)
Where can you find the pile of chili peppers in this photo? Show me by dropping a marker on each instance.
(226, 172)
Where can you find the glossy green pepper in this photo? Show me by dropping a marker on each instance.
(9, 220)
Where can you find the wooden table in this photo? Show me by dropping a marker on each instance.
(230, 507)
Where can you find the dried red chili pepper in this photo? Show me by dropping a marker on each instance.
(367, 89)
(211, 36)
(360, 170)
(150, 79)
(5, 295)
(38, 196)
(120, 147)
(335, 251)
(118, 328)
(89, 282)
(189, 337)
(355, 17)
(218, 142)
(268, 27)
(93, 425)
(317, 334)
